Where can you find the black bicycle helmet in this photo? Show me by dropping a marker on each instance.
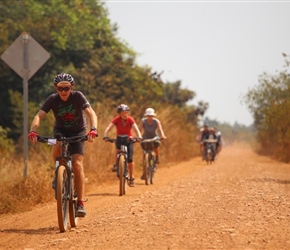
(63, 77)
(122, 107)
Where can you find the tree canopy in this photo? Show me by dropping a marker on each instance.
(269, 103)
(81, 41)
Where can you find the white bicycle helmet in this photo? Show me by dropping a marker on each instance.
(150, 112)
(122, 107)
(63, 77)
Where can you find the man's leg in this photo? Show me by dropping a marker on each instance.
(55, 154)
(156, 151)
(77, 164)
(143, 163)
(202, 151)
(131, 167)
(114, 169)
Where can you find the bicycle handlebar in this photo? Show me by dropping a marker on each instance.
(53, 140)
(112, 140)
(210, 140)
(156, 138)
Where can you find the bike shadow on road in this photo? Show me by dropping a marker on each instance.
(41, 231)
(284, 182)
(104, 194)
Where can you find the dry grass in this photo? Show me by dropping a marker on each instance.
(19, 194)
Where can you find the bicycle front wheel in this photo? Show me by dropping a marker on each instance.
(146, 169)
(62, 198)
(207, 155)
(152, 169)
(73, 204)
(122, 177)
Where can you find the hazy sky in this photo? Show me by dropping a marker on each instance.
(217, 49)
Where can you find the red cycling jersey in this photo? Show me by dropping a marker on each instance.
(124, 127)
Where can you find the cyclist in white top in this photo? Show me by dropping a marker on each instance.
(150, 126)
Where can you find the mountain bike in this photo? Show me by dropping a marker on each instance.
(210, 147)
(149, 166)
(65, 191)
(122, 161)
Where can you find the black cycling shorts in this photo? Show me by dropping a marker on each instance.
(130, 151)
(76, 147)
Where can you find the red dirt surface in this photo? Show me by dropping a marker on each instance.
(242, 201)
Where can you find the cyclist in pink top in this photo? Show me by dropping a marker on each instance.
(124, 125)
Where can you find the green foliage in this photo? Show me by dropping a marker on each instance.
(73, 32)
(201, 108)
(175, 95)
(269, 103)
(6, 144)
(81, 41)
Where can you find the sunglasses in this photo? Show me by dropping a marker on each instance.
(60, 89)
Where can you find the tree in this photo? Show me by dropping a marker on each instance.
(81, 41)
(269, 103)
(175, 95)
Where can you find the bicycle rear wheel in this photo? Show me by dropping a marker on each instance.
(146, 169)
(122, 177)
(62, 199)
(73, 204)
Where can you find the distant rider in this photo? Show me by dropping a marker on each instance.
(219, 141)
(210, 136)
(204, 132)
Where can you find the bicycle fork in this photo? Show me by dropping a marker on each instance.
(151, 161)
(126, 173)
(68, 168)
(123, 150)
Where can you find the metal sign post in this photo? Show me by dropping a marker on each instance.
(25, 40)
(33, 57)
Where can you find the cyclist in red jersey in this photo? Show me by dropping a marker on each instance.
(124, 125)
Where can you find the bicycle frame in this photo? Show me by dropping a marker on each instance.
(209, 150)
(66, 161)
(148, 146)
(123, 151)
(65, 192)
(149, 166)
(122, 161)
(122, 169)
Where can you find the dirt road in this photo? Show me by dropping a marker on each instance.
(240, 202)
